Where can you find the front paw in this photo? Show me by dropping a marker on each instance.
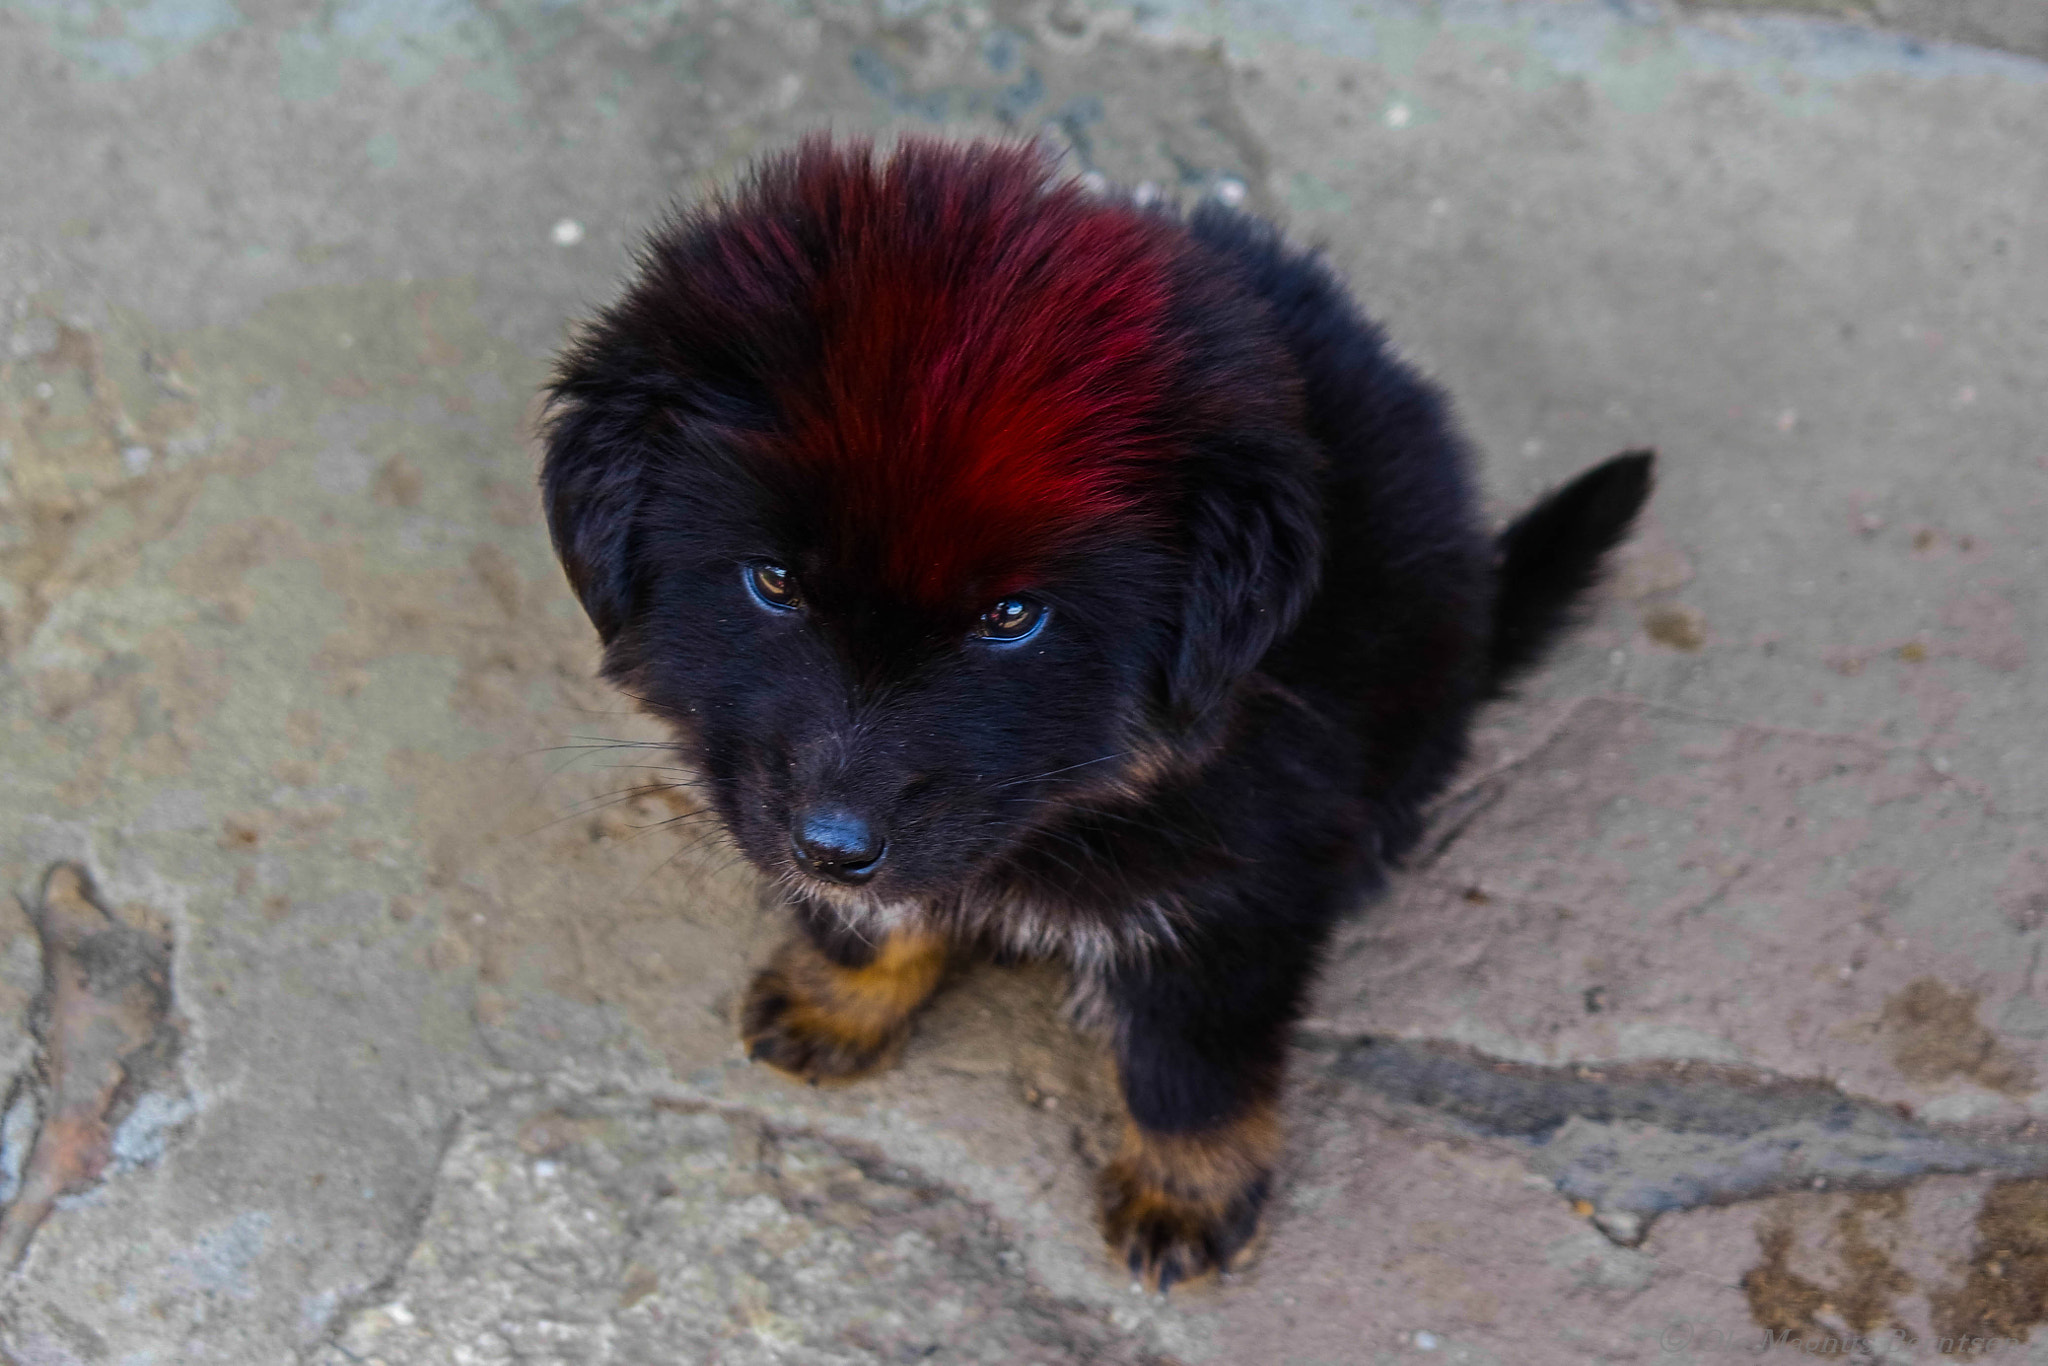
(782, 1027)
(822, 1021)
(1177, 1207)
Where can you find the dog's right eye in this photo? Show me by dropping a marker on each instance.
(772, 587)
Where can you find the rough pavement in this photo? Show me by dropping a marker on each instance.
(385, 1015)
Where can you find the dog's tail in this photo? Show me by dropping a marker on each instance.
(1551, 554)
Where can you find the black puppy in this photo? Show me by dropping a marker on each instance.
(1029, 568)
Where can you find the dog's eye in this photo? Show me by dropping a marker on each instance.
(1012, 619)
(772, 587)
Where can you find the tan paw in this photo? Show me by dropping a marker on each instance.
(1177, 1207)
(822, 1022)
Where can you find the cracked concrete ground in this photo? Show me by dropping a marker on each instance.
(356, 1008)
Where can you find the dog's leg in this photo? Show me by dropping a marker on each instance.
(1178, 1206)
(1200, 1050)
(831, 1008)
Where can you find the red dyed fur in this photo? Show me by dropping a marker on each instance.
(995, 359)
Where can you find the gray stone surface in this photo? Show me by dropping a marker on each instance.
(286, 665)
(2015, 25)
(622, 1231)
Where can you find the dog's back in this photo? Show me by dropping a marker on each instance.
(1419, 615)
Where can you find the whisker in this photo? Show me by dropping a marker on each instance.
(1055, 772)
(694, 818)
(598, 803)
(1092, 813)
(688, 847)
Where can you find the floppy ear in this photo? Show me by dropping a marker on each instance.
(1255, 549)
(591, 479)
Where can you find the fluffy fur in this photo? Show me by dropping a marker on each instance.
(921, 384)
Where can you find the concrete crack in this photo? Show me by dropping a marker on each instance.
(381, 1289)
(1633, 1141)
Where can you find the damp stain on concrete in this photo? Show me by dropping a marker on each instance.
(1934, 1034)
(1877, 1266)
(2005, 1292)
(1677, 626)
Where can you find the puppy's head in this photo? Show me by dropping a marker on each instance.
(926, 496)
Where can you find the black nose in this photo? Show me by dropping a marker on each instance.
(834, 843)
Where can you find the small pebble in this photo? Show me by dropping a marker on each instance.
(1425, 1340)
(135, 459)
(566, 233)
(1398, 115)
(1622, 1226)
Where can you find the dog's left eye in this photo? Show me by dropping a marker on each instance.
(772, 586)
(1012, 619)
